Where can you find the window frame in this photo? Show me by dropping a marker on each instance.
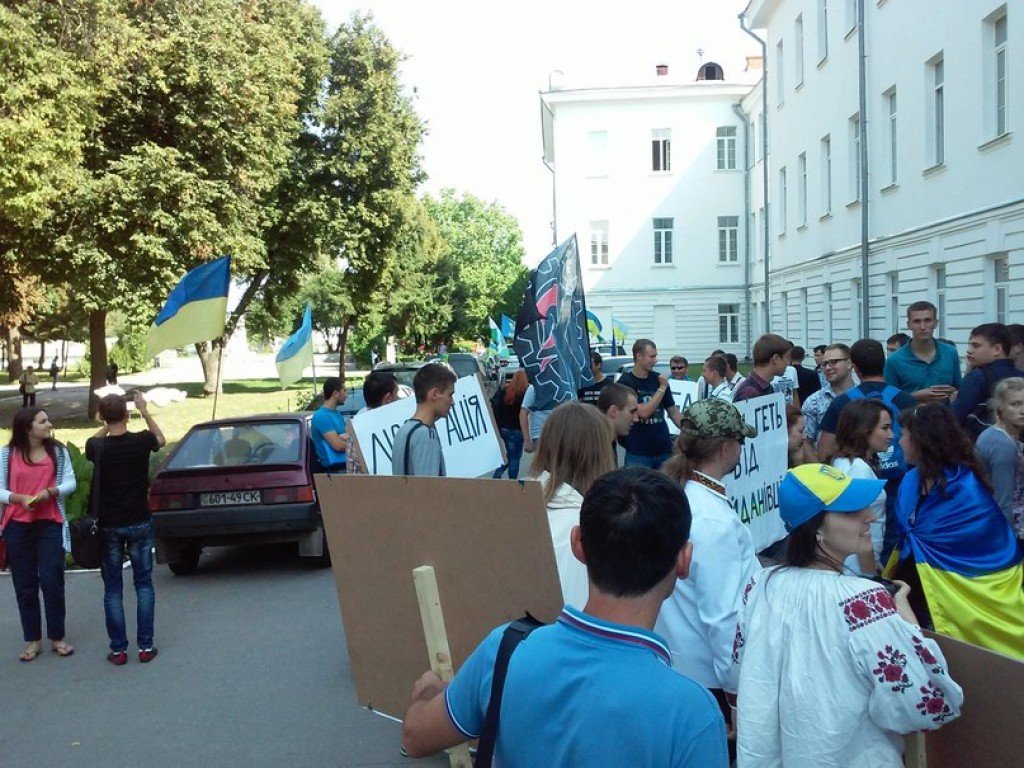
(599, 247)
(724, 144)
(801, 208)
(661, 150)
(729, 322)
(826, 174)
(662, 253)
(728, 240)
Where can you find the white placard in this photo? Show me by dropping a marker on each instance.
(753, 487)
(685, 394)
(469, 440)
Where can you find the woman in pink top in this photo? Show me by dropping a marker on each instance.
(35, 477)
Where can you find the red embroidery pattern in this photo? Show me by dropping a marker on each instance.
(891, 669)
(737, 644)
(926, 656)
(867, 607)
(746, 591)
(933, 704)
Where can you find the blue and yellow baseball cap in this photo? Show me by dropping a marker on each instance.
(812, 488)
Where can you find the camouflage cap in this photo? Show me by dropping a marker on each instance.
(716, 418)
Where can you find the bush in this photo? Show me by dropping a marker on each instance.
(129, 351)
(77, 504)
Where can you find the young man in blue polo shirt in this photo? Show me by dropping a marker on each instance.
(595, 688)
(327, 428)
(927, 369)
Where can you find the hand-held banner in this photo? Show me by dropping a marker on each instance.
(685, 395)
(551, 340)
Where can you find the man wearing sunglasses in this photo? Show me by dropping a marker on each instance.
(679, 366)
(838, 370)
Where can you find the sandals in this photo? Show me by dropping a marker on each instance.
(30, 653)
(63, 648)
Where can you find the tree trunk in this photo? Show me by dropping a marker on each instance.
(42, 355)
(14, 366)
(97, 357)
(210, 358)
(342, 343)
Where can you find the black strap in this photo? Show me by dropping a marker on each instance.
(514, 634)
(408, 445)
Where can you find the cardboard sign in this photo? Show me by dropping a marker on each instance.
(469, 436)
(685, 394)
(753, 487)
(987, 732)
(487, 540)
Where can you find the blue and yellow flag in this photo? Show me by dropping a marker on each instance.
(508, 328)
(594, 326)
(195, 310)
(967, 558)
(297, 351)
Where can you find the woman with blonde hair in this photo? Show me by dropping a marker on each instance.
(1000, 449)
(699, 619)
(571, 454)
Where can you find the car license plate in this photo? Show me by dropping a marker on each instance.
(225, 498)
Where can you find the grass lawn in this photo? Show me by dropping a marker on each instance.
(240, 398)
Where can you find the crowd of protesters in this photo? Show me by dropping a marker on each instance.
(906, 474)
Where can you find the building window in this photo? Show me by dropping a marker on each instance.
(726, 140)
(890, 104)
(936, 125)
(728, 323)
(785, 315)
(894, 301)
(856, 299)
(663, 241)
(599, 243)
(940, 300)
(728, 239)
(661, 150)
(798, 54)
(1001, 266)
(851, 16)
(754, 237)
(826, 175)
(855, 168)
(822, 30)
(802, 188)
(782, 201)
(1000, 69)
(826, 311)
(780, 77)
(597, 156)
(805, 320)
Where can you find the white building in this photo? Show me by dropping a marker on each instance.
(944, 189)
(651, 179)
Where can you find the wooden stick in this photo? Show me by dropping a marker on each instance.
(914, 751)
(437, 644)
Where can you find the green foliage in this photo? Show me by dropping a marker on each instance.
(77, 504)
(129, 351)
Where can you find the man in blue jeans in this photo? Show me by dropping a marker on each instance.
(121, 481)
(648, 443)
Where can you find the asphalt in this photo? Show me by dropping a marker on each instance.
(252, 671)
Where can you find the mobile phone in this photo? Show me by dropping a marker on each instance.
(890, 586)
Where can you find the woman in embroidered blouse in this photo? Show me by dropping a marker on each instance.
(35, 477)
(699, 619)
(865, 430)
(831, 669)
(572, 452)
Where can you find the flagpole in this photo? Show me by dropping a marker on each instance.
(220, 367)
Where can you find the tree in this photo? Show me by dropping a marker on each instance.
(483, 260)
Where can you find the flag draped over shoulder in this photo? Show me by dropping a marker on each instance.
(508, 328)
(195, 310)
(551, 336)
(297, 351)
(967, 558)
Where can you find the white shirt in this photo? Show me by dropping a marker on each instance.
(830, 675)
(786, 383)
(723, 391)
(737, 378)
(860, 468)
(699, 619)
(563, 515)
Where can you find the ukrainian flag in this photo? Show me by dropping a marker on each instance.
(297, 352)
(967, 558)
(195, 310)
(594, 327)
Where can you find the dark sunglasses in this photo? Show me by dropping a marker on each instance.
(678, 367)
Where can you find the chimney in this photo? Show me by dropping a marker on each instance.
(754, 63)
(661, 69)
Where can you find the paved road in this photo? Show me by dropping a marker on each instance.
(252, 671)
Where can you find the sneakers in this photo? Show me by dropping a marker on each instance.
(147, 655)
(117, 658)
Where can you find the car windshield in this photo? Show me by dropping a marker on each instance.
(233, 445)
(463, 366)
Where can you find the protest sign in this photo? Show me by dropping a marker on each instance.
(469, 437)
(753, 487)
(685, 394)
(984, 733)
(488, 542)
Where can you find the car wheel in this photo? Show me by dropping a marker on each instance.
(187, 562)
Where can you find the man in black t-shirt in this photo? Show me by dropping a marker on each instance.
(592, 392)
(121, 481)
(648, 443)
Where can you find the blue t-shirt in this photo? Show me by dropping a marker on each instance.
(588, 692)
(910, 373)
(648, 437)
(327, 420)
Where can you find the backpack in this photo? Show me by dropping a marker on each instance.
(892, 465)
(981, 418)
